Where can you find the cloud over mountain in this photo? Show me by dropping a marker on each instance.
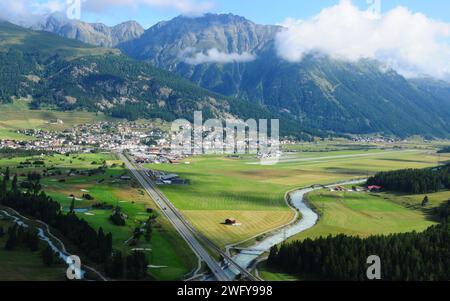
(215, 56)
(409, 42)
(26, 12)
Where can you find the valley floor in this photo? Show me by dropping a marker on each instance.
(363, 214)
(68, 178)
(253, 194)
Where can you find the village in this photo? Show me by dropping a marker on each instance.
(96, 137)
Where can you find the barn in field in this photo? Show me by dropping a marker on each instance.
(230, 221)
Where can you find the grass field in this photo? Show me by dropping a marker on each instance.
(269, 274)
(168, 249)
(17, 116)
(24, 265)
(253, 194)
(362, 214)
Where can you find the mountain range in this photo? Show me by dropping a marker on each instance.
(92, 33)
(232, 56)
(64, 74)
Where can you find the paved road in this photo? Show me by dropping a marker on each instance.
(175, 218)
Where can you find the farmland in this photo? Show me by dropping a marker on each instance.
(363, 214)
(254, 194)
(228, 187)
(18, 116)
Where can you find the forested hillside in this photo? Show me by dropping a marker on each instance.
(319, 92)
(66, 75)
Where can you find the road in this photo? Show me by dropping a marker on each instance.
(176, 219)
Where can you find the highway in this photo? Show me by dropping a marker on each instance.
(176, 219)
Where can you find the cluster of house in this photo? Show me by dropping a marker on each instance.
(105, 136)
(43, 145)
(11, 144)
(375, 139)
(371, 188)
(156, 155)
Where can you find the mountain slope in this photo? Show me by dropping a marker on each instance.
(163, 43)
(438, 88)
(96, 33)
(361, 97)
(67, 74)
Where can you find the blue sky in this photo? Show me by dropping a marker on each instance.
(413, 44)
(262, 11)
(149, 12)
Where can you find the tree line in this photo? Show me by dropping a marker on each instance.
(445, 150)
(413, 181)
(96, 245)
(404, 257)
(19, 236)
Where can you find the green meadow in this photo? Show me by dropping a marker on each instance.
(254, 194)
(17, 116)
(270, 274)
(167, 251)
(363, 214)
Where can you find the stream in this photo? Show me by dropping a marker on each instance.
(42, 236)
(308, 219)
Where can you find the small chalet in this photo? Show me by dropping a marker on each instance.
(230, 221)
(374, 188)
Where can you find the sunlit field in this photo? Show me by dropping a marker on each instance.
(254, 195)
(168, 251)
(17, 116)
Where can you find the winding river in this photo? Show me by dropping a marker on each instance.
(309, 218)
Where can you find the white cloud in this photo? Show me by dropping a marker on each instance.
(185, 7)
(215, 56)
(409, 42)
(26, 12)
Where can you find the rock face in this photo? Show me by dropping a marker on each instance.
(96, 33)
(164, 43)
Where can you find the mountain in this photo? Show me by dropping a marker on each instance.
(317, 95)
(96, 33)
(66, 74)
(319, 92)
(438, 88)
(164, 43)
